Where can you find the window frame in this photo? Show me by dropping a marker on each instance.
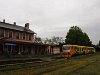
(10, 35)
(1, 33)
(17, 35)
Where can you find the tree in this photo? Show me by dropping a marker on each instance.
(75, 36)
(47, 41)
(98, 44)
(54, 40)
(38, 40)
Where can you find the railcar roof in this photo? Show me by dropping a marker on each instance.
(90, 47)
(78, 46)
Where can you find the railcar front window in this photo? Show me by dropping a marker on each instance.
(66, 48)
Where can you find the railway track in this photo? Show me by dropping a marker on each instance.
(33, 63)
(4, 62)
(49, 66)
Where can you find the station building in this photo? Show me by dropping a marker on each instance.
(16, 39)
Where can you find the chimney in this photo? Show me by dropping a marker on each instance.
(3, 20)
(27, 26)
(14, 23)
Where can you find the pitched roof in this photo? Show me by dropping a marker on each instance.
(15, 27)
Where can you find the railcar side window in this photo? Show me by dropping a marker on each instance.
(82, 49)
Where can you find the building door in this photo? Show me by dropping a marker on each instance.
(9, 49)
(1, 49)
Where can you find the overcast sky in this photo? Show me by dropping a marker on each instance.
(54, 17)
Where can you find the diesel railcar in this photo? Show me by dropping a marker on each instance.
(70, 50)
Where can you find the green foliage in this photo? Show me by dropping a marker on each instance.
(75, 36)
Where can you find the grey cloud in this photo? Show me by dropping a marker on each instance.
(54, 17)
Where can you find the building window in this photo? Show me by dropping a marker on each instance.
(10, 34)
(1, 33)
(21, 35)
(30, 37)
(17, 35)
(24, 36)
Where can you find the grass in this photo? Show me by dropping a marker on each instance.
(91, 69)
(77, 68)
(80, 65)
